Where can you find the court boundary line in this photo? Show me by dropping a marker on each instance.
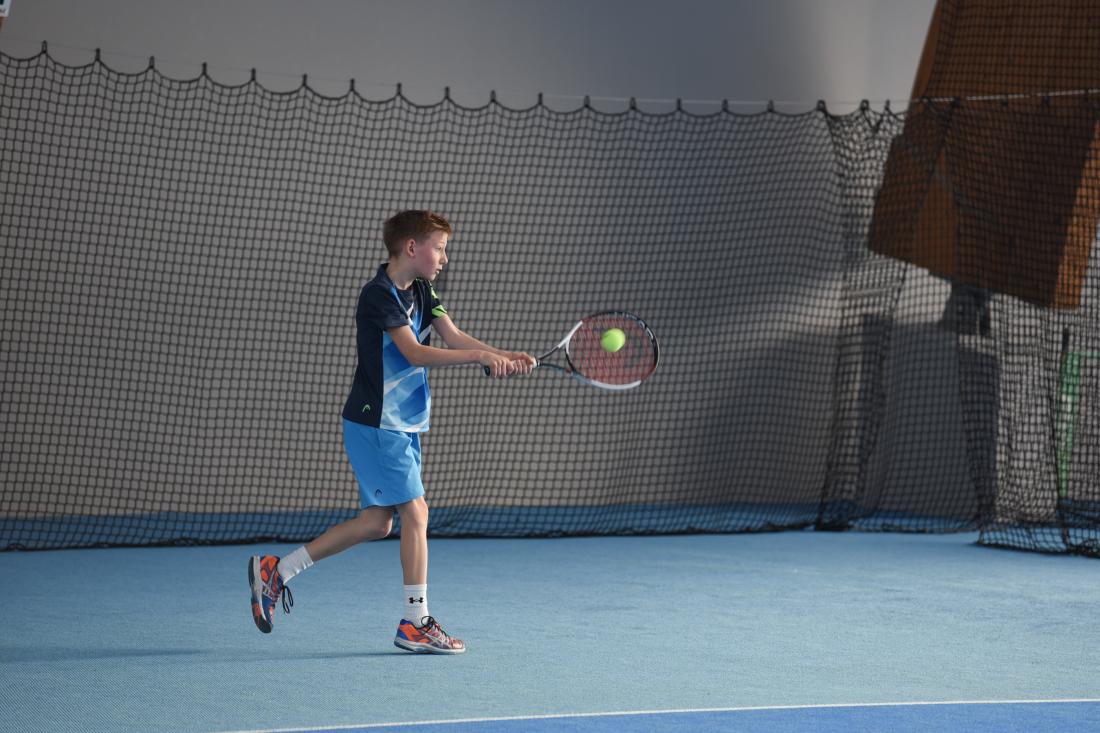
(742, 709)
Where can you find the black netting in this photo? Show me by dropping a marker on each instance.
(181, 261)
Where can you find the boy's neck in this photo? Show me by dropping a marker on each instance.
(402, 277)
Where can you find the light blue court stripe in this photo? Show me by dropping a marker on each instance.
(972, 716)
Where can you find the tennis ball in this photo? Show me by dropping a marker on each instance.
(613, 339)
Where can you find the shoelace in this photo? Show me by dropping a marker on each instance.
(288, 597)
(431, 626)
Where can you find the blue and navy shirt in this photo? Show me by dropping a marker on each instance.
(388, 392)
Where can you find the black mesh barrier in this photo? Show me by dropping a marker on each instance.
(181, 262)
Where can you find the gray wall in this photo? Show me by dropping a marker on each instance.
(799, 50)
(779, 207)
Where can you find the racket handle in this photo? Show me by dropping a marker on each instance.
(487, 372)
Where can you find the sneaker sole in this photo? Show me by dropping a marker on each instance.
(256, 584)
(424, 648)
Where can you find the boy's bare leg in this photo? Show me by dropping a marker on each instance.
(373, 523)
(414, 541)
(411, 635)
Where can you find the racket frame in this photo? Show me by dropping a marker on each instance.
(572, 371)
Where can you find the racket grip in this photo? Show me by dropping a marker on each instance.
(488, 372)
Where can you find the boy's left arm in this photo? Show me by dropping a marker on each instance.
(455, 338)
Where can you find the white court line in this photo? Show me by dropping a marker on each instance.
(663, 712)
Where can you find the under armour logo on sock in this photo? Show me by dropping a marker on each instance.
(416, 600)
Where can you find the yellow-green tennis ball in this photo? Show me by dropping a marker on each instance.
(613, 339)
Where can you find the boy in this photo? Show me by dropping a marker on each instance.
(387, 408)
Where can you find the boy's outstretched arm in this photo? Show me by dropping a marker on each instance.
(456, 338)
(418, 354)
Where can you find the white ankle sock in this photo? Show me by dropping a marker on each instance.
(416, 603)
(294, 563)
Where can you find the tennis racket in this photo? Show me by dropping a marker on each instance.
(581, 354)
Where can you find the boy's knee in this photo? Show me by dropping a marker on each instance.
(373, 527)
(378, 530)
(415, 513)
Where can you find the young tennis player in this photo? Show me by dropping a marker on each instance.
(386, 410)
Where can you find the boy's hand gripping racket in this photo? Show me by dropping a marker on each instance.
(611, 350)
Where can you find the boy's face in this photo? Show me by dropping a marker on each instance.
(430, 255)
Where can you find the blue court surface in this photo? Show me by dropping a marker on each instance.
(792, 631)
(994, 717)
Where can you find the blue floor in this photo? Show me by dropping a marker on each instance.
(161, 639)
(1002, 717)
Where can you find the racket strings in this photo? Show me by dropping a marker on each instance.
(635, 361)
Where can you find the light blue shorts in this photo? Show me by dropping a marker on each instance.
(386, 463)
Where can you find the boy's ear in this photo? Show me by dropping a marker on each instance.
(410, 247)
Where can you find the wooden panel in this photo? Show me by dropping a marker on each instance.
(999, 196)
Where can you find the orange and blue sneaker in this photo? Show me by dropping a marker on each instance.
(427, 638)
(267, 586)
